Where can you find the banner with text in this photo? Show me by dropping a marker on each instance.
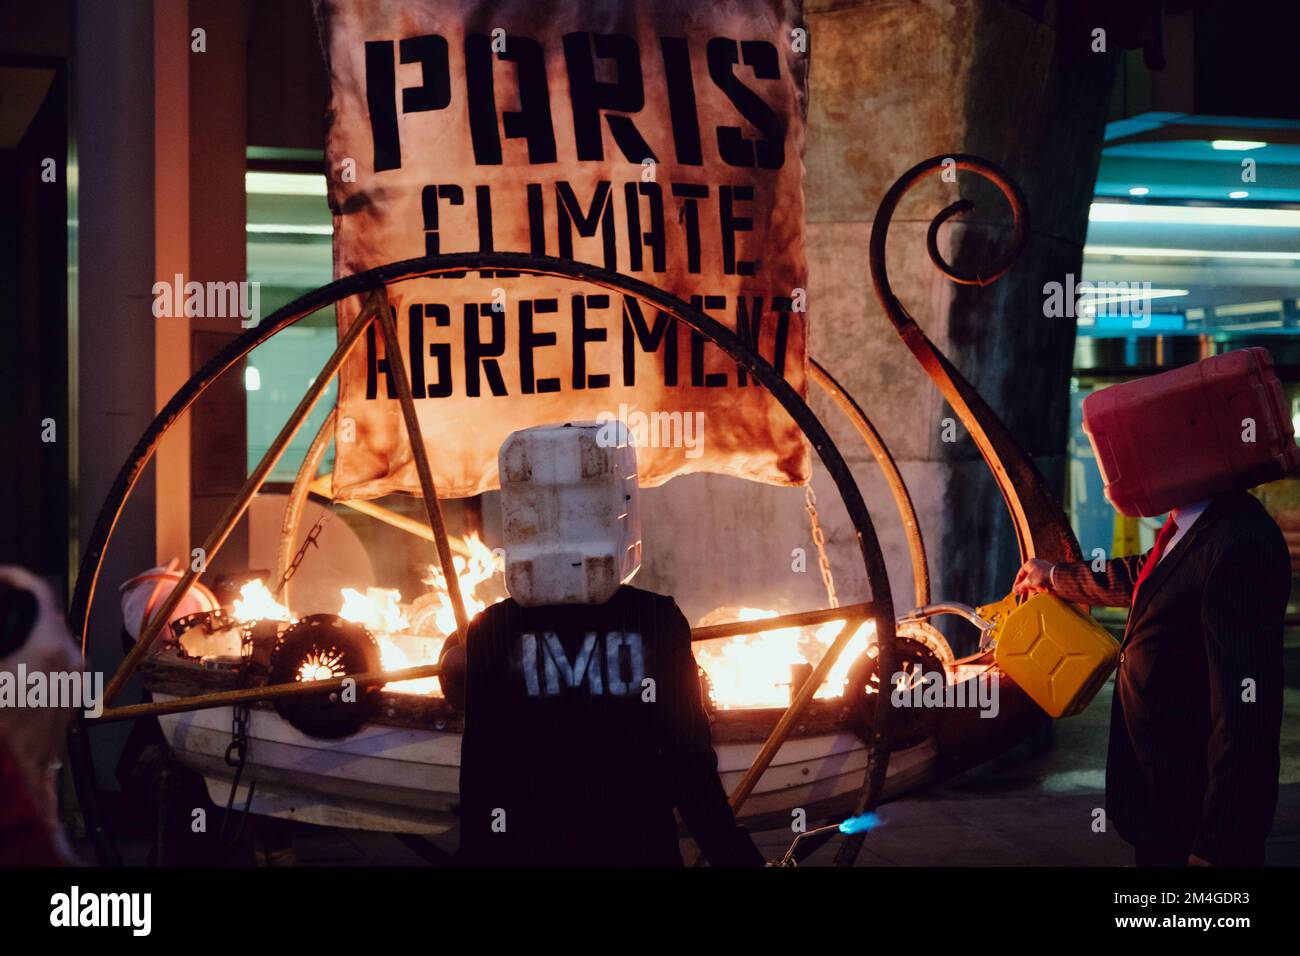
(662, 140)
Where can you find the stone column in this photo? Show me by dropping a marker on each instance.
(113, 330)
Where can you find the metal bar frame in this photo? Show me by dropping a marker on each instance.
(851, 614)
(253, 695)
(1042, 529)
(889, 468)
(420, 454)
(710, 328)
(792, 714)
(1040, 524)
(324, 487)
(235, 510)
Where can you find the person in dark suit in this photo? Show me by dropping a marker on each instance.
(1193, 762)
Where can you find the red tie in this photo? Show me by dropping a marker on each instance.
(1167, 531)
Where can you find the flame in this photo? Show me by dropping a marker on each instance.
(754, 670)
(403, 634)
(471, 571)
(255, 603)
(379, 609)
(750, 670)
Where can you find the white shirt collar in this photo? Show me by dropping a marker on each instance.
(1184, 518)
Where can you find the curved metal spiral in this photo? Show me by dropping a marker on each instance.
(1042, 529)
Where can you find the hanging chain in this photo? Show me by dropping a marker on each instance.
(237, 752)
(819, 539)
(232, 823)
(309, 542)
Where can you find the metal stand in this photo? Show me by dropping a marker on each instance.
(1041, 526)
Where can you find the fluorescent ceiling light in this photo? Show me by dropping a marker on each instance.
(1194, 215)
(1237, 144)
(1249, 326)
(1130, 295)
(1156, 252)
(1249, 308)
(285, 184)
(289, 229)
(1138, 191)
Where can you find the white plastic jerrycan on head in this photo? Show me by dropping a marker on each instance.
(570, 514)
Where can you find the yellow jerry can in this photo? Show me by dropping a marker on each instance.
(1058, 655)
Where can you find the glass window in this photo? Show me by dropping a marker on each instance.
(1193, 249)
(290, 233)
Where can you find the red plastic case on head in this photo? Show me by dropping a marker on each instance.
(1180, 436)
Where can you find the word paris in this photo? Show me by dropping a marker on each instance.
(74, 908)
(483, 353)
(77, 690)
(615, 87)
(929, 690)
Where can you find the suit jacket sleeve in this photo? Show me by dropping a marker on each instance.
(690, 761)
(1242, 617)
(1112, 586)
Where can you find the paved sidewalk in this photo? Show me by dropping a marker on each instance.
(1038, 811)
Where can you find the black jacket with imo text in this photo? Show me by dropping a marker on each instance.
(584, 728)
(1194, 751)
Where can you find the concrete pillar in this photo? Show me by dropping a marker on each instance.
(893, 84)
(171, 169)
(113, 329)
(216, 98)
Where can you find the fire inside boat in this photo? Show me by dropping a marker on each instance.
(392, 763)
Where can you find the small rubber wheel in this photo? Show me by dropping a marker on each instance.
(917, 661)
(318, 647)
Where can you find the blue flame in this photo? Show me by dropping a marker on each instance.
(859, 824)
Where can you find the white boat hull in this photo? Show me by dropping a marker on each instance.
(406, 780)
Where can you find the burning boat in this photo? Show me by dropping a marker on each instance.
(393, 765)
(262, 701)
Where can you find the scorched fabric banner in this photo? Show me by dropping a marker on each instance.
(663, 140)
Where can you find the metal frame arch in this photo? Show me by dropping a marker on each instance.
(371, 280)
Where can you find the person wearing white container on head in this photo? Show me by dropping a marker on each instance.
(584, 721)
